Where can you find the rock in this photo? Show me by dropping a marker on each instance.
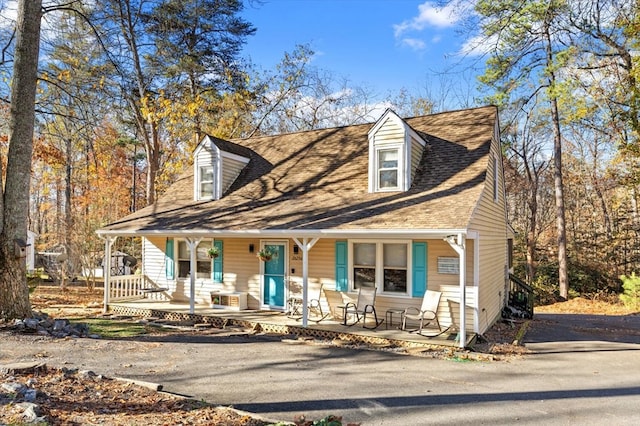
(32, 413)
(68, 372)
(86, 374)
(13, 387)
(30, 395)
(60, 324)
(43, 325)
(31, 323)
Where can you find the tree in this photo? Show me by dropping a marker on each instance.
(154, 50)
(527, 176)
(297, 96)
(14, 206)
(197, 48)
(529, 51)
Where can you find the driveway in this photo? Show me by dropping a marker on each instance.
(582, 370)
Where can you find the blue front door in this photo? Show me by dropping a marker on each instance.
(274, 276)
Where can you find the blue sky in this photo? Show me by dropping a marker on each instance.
(384, 45)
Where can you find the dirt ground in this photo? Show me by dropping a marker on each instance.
(65, 396)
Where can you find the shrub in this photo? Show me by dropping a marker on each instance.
(631, 295)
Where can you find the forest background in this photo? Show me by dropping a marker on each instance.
(127, 88)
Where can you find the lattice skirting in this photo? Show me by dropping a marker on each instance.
(267, 327)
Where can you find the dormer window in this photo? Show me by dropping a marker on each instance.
(206, 182)
(215, 169)
(395, 151)
(388, 168)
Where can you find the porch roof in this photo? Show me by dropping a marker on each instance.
(315, 184)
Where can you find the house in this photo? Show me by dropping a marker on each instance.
(400, 204)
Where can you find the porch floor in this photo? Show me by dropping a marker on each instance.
(276, 322)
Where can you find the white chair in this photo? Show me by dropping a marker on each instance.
(427, 313)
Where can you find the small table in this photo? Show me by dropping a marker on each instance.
(294, 307)
(389, 316)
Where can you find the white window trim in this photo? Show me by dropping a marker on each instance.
(200, 181)
(216, 163)
(379, 266)
(178, 259)
(400, 169)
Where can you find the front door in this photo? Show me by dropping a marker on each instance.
(274, 276)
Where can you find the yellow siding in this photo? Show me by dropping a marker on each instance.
(489, 220)
(416, 156)
(390, 132)
(230, 170)
(154, 263)
(241, 269)
(440, 248)
(205, 157)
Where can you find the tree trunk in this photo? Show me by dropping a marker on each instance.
(532, 237)
(563, 280)
(14, 291)
(563, 274)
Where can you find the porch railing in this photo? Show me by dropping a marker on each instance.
(128, 287)
(521, 297)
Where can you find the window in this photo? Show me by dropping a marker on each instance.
(383, 265)
(364, 265)
(206, 182)
(395, 268)
(388, 168)
(203, 262)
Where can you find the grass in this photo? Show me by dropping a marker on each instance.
(110, 329)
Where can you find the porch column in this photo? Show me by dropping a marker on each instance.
(459, 247)
(193, 262)
(305, 246)
(106, 269)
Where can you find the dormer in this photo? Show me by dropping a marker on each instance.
(395, 151)
(214, 168)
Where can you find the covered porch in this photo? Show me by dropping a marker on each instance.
(164, 298)
(137, 296)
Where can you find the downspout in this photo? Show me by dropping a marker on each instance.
(305, 246)
(106, 269)
(458, 244)
(193, 245)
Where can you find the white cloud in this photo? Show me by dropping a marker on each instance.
(430, 15)
(9, 16)
(8, 13)
(478, 45)
(414, 43)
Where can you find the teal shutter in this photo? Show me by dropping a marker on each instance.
(169, 263)
(341, 266)
(419, 273)
(217, 263)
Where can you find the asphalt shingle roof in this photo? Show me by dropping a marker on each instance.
(318, 180)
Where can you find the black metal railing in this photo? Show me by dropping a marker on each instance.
(521, 297)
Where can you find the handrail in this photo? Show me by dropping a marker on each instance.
(521, 297)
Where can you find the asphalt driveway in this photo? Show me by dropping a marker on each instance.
(582, 370)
